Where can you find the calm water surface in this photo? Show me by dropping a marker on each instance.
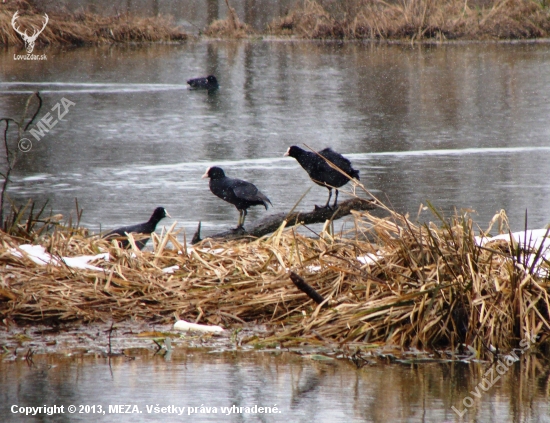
(303, 390)
(463, 126)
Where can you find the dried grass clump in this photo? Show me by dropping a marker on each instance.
(230, 27)
(428, 285)
(310, 21)
(415, 19)
(86, 28)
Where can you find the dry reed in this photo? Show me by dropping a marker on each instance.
(82, 28)
(415, 20)
(230, 27)
(311, 19)
(428, 286)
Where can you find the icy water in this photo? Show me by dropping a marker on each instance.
(212, 387)
(461, 126)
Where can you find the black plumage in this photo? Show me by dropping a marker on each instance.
(240, 193)
(321, 172)
(146, 228)
(208, 83)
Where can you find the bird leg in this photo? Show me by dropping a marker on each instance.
(328, 201)
(335, 199)
(242, 216)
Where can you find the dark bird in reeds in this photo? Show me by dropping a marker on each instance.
(146, 228)
(317, 167)
(209, 83)
(241, 194)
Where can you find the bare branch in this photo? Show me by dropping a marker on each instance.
(272, 222)
(37, 94)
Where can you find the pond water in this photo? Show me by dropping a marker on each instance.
(296, 388)
(462, 126)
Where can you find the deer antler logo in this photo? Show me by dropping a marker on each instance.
(29, 40)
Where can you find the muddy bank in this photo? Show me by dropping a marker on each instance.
(20, 341)
(128, 339)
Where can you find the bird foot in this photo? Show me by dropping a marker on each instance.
(325, 207)
(239, 228)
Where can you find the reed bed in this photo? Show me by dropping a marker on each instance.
(230, 27)
(428, 286)
(415, 20)
(84, 28)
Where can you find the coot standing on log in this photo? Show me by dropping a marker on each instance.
(321, 172)
(146, 228)
(240, 193)
(208, 83)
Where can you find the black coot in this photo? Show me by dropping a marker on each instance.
(146, 228)
(208, 83)
(240, 193)
(321, 172)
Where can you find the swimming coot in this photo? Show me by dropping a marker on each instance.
(208, 83)
(240, 193)
(146, 228)
(321, 172)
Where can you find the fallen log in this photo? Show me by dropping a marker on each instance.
(272, 222)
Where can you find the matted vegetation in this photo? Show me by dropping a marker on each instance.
(84, 28)
(422, 285)
(415, 20)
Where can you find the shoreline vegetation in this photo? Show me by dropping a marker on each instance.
(374, 20)
(84, 28)
(416, 20)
